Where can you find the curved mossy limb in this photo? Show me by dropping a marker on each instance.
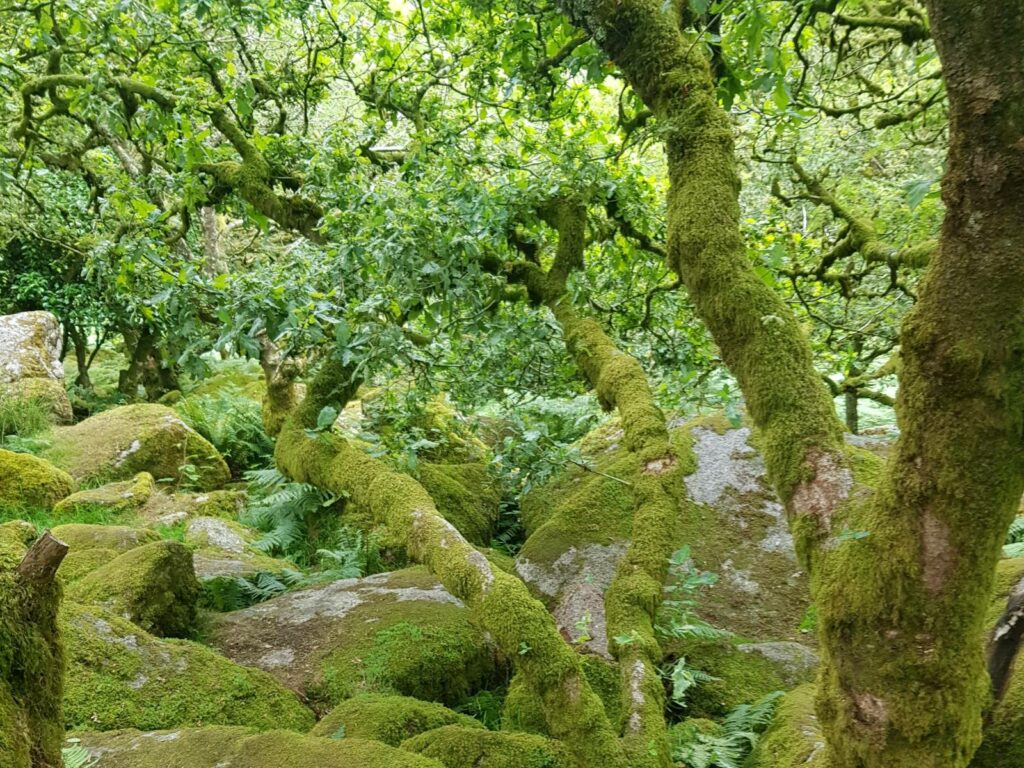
(456, 746)
(154, 586)
(31, 659)
(636, 591)
(387, 718)
(241, 748)
(466, 496)
(122, 677)
(501, 603)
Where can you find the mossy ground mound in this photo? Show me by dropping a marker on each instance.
(28, 482)
(579, 524)
(387, 718)
(119, 443)
(123, 498)
(120, 538)
(122, 677)
(456, 746)
(241, 748)
(397, 632)
(153, 586)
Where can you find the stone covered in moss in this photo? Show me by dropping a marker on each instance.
(123, 498)
(30, 347)
(456, 746)
(579, 525)
(120, 538)
(27, 481)
(153, 585)
(49, 394)
(241, 748)
(743, 672)
(122, 677)
(793, 740)
(171, 508)
(399, 632)
(387, 718)
(81, 562)
(119, 443)
(31, 660)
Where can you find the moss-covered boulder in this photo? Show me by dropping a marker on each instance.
(387, 718)
(120, 538)
(27, 481)
(793, 740)
(165, 508)
(153, 585)
(241, 748)
(118, 499)
(122, 677)
(31, 660)
(119, 443)
(223, 553)
(48, 395)
(399, 632)
(579, 525)
(30, 365)
(456, 746)
(742, 672)
(30, 347)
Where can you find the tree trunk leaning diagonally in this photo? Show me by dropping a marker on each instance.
(520, 625)
(900, 610)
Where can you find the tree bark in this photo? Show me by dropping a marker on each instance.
(900, 610)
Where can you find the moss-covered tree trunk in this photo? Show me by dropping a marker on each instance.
(903, 680)
(637, 589)
(520, 625)
(31, 656)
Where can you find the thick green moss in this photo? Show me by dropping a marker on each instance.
(793, 740)
(122, 677)
(153, 585)
(741, 677)
(241, 748)
(27, 481)
(119, 443)
(523, 711)
(120, 538)
(81, 562)
(31, 661)
(466, 496)
(122, 498)
(390, 719)
(456, 746)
